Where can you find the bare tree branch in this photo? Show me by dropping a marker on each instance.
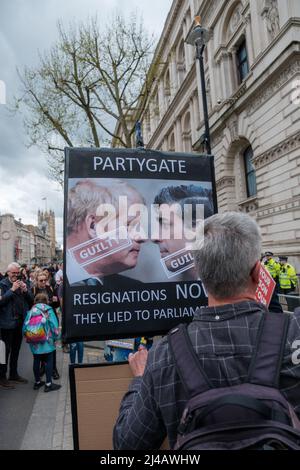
(85, 85)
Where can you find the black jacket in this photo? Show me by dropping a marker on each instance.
(50, 292)
(13, 305)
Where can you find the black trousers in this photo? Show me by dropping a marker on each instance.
(47, 359)
(13, 340)
(54, 361)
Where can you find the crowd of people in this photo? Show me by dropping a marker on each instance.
(25, 293)
(229, 342)
(20, 290)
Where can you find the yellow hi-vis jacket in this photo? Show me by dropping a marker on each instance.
(273, 267)
(287, 277)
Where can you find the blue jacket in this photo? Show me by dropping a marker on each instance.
(51, 327)
(13, 305)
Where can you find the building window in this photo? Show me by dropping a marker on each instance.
(250, 172)
(181, 62)
(242, 61)
(167, 87)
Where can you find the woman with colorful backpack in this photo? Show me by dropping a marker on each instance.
(41, 330)
(42, 286)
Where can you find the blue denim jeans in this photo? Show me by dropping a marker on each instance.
(76, 348)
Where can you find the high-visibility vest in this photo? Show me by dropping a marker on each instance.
(287, 277)
(273, 268)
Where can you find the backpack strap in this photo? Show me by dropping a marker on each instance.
(269, 350)
(187, 363)
(30, 315)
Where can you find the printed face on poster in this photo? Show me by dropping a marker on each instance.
(132, 218)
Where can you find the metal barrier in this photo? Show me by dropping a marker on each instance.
(289, 302)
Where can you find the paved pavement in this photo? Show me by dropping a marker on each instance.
(34, 420)
(47, 428)
(16, 405)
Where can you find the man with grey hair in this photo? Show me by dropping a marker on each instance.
(223, 336)
(15, 301)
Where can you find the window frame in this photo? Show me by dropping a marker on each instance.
(240, 62)
(249, 171)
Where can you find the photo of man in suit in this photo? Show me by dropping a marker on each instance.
(172, 238)
(84, 224)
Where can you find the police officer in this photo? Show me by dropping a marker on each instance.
(272, 266)
(288, 281)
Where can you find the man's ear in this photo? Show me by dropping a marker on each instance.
(90, 225)
(255, 272)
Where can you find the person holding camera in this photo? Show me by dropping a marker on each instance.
(15, 301)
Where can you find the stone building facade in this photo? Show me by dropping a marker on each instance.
(14, 241)
(22, 243)
(252, 74)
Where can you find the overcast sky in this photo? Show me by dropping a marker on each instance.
(26, 27)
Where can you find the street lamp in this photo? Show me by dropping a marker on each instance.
(198, 37)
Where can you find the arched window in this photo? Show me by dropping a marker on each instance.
(242, 60)
(249, 172)
(181, 62)
(167, 87)
(234, 58)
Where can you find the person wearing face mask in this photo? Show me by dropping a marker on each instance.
(15, 301)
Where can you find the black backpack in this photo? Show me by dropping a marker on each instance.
(251, 415)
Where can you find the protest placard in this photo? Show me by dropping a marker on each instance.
(265, 287)
(131, 218)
